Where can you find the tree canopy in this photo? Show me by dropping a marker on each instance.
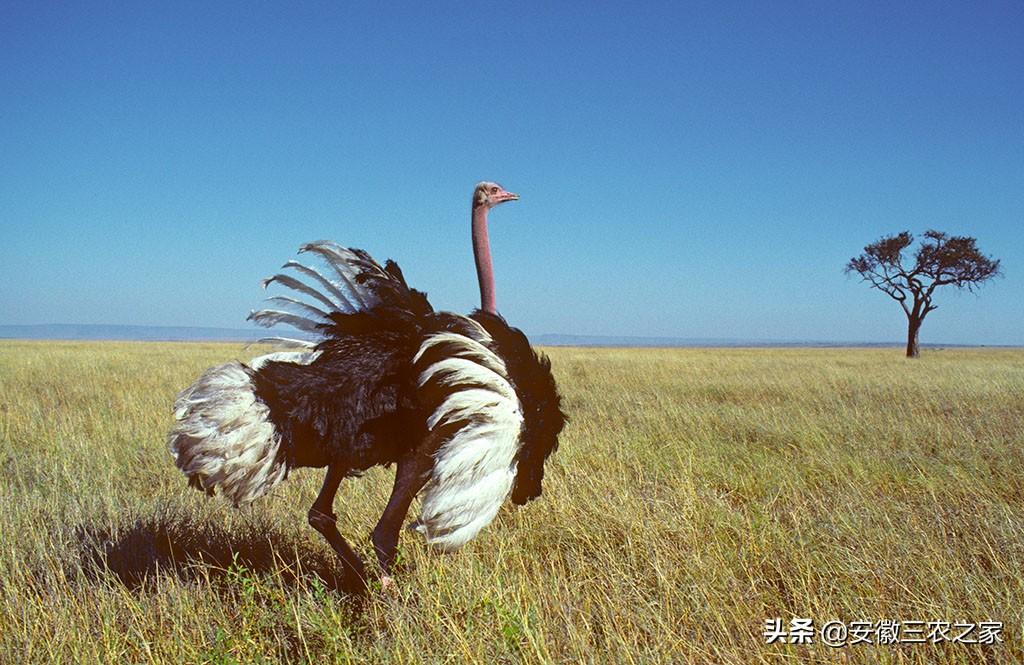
(939, 260)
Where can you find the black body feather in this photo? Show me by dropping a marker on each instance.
(352, 406)
(355, 405)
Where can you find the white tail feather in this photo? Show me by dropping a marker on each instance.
(223, 439)
(297, 357)
(463, 348)
(474, 469)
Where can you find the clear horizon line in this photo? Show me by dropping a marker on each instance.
(123, 332)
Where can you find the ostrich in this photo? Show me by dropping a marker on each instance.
(462, 405)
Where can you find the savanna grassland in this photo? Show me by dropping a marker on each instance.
(696, 493)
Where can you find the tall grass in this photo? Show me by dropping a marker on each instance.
(696, 493)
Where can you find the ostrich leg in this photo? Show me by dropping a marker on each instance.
(410, 476)
(323, 519)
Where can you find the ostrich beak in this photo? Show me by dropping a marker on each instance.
(507, 196)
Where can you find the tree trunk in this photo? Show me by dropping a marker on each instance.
(913, 326)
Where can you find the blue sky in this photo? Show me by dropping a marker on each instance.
(688, 170)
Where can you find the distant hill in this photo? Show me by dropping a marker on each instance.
(131, 333)
(629, 341)
(71, 331)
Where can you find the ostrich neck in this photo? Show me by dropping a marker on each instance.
(482, 254)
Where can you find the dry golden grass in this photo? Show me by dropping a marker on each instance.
(697, 493)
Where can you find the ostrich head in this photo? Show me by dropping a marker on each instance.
(490, 194)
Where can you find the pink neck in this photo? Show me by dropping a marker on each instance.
(482, 254)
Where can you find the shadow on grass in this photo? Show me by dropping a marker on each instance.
(164, 543)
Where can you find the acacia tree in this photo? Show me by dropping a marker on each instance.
(940, 260)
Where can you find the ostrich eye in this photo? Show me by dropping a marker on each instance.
(494, 190)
